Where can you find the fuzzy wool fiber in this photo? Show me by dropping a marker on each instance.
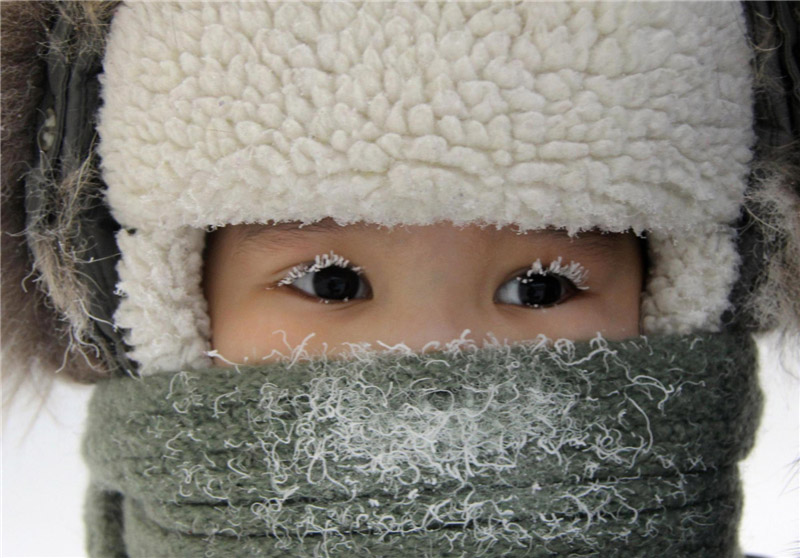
(625, 449)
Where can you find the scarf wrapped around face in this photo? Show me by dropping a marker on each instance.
(612, 449)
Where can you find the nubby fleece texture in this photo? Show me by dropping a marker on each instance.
(608, 116)
(624, 449)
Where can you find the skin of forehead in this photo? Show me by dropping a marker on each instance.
(272, 235)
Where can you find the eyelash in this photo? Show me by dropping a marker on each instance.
(573, 272)
(320, 262)
(557, 281)
(303, 272)
(570, 279)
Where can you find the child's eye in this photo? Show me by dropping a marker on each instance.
(328, 278)
(333, 283)
(540, 287)
(536, 291)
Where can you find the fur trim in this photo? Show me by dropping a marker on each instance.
(35, 335)
(164, 310)
(769, 293)
(231, 114)
(689, 281)
(774, 209)
(48, 323)
(55, 289)
(535, 115)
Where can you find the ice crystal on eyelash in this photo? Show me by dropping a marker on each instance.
(320, 262)
(574, 271)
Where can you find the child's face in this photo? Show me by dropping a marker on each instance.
(268, 286)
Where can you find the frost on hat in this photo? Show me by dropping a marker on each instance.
(577, 116)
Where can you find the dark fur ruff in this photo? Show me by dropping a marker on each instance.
(769, 290)
(30, 328)
(38, 328)
(45, 322)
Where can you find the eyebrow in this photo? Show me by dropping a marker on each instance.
(588, 241)
(287, 234)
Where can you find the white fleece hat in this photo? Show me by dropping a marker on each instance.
(610, 116)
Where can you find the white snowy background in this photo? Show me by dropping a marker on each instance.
(43, 477)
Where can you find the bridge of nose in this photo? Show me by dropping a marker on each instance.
(439, 291)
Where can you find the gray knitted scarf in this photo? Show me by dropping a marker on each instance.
(590, 449)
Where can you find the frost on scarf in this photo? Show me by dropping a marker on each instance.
(525, 450)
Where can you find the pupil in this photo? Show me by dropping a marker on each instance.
(336, 283)
(540, 290)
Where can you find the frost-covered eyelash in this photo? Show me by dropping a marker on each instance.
(573, 271)
(320, 262)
